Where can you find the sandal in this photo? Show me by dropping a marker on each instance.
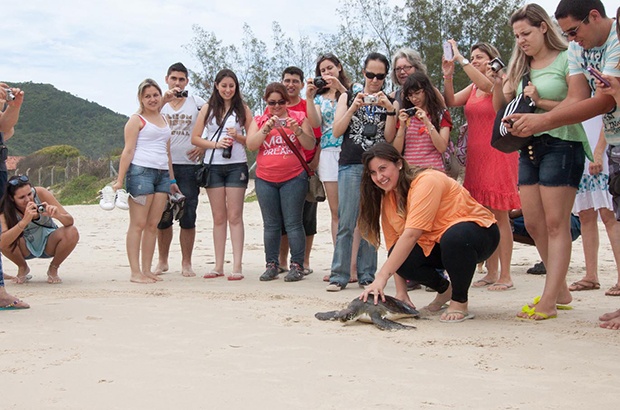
(213, 274)
(236, 276)
(613, 291)
(584, 284)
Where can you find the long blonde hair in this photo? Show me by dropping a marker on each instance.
(519, 61)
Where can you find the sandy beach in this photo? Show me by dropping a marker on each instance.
(98, 341)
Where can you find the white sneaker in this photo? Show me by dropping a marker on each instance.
(107, 198)
(121, 199)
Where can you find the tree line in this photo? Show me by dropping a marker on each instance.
(366, 26)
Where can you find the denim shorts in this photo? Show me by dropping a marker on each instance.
(228, 175)
(551, 162)
(186, 181)
(146, 181)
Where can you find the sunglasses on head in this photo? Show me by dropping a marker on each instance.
(371, 76)
(18, 179)
(274, 103)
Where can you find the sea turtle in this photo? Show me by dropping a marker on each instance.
(380, 314)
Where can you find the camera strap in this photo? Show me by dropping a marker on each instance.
(293, 148)
(218, 133)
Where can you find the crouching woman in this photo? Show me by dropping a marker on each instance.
(429, 222)
(27, 216)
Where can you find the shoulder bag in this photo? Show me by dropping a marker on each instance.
(203, 172)
(502, 139)
(316, 191)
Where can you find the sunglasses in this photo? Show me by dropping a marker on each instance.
(573, 31)
(274, 103)
(372, 76)
(19, 179)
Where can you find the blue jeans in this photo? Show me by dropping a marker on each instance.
(283, 203)
(349, 181)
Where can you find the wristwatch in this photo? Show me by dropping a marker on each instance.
(390, 113)
(464, 62)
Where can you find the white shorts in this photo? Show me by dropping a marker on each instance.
(328, 166)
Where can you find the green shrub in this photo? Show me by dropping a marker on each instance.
(82, 190)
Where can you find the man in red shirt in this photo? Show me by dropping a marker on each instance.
(293, 80)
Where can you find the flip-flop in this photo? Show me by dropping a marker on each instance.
(557, 306)
(584, 284)
(466, 316)
(16, 305)
(531, 311)
(236, 276)
(505, 287)
(613, 291)
(484, 283)
(213, 274)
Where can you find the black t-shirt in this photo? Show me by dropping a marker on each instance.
(367, 127)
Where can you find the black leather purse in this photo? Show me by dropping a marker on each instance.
(502, 139)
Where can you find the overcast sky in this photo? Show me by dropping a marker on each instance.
(102, 50)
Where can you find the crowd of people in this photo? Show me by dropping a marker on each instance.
(381, 158)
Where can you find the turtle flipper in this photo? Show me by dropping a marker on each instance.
(331, 315)
(387, 324)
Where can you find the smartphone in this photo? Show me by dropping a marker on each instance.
(447, 51)
(598, 77)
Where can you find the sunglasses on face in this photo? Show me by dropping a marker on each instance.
(573, 31)
(372, 76)
(274, 103)
(19, 179)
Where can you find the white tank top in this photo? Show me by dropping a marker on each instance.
(238, 154)
(151, 149)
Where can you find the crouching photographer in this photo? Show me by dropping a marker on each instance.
(27, 216)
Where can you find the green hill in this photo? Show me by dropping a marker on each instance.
(53, 117)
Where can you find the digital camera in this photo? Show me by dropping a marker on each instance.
(40, 208)
(181, 94)
(319, 82)
(9, 94)
(497, 64)
(411, 111)
(283, 123)
(371, 99)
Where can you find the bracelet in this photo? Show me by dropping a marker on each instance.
(447, 77)
(173, 181)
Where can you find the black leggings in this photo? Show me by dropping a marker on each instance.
(461, 247)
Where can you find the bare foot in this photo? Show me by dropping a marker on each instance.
(440, 300)
(613, 324)
(9, 301)
(140, 278)
(161, 268)
(609, 316)
(22, 275)
(187, 271)
(8, 277)
(153, 276)
(457, 312)
(52, 275)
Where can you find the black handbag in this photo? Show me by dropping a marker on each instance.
(502, 139)
(203, 171)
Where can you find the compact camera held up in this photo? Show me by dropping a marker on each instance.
(9, 94)
(497, 64)
(319, 82)
(411, 111)
(181, 94)
(371, 99)
(40, 208)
